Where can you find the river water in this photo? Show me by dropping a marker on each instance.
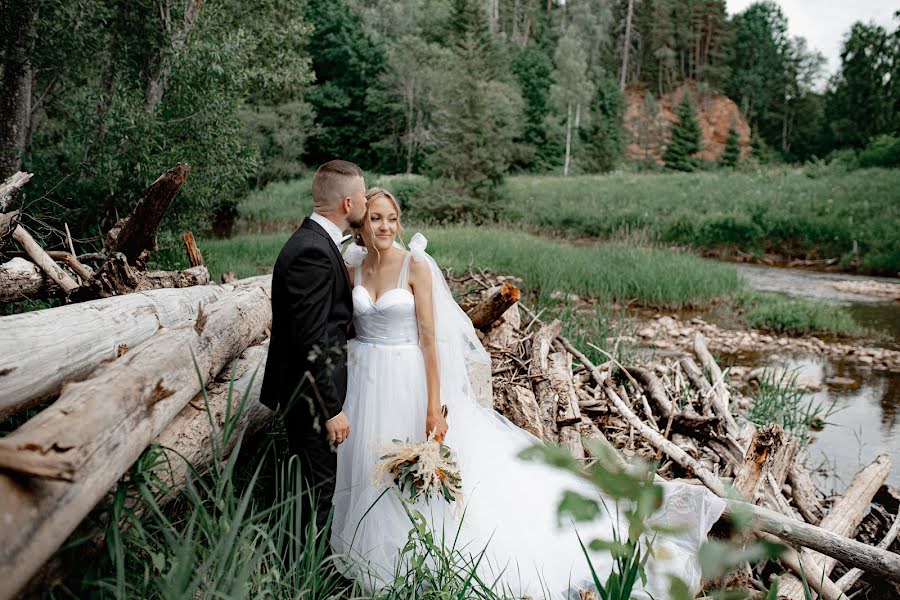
(866, 417)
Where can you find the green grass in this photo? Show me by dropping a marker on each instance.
(778, 400)
(616, 273)
(786, 211)
(637, 210)
(796, 317)
(798, 213)
(610, 272)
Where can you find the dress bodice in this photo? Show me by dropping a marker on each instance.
(389, 320)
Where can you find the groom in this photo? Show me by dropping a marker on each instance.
(306, 372)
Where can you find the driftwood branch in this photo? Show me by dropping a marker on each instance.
(46, 264)
(842, 520)
(539, 373)
(848, 551)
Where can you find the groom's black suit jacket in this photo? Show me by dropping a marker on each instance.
(312, 307)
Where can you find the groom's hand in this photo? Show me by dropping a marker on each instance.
(338, 428)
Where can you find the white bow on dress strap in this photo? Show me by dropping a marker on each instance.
(417, 246)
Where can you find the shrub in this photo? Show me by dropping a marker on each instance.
(881, 151)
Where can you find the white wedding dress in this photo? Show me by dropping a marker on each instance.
(510, 506)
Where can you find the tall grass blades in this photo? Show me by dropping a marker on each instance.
(779, 400)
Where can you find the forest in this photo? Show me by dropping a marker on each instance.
(100, 96)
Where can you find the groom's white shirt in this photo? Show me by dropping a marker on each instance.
(333, 231)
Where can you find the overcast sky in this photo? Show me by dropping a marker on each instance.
(824, 22)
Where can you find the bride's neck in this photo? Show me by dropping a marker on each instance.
(372, 257)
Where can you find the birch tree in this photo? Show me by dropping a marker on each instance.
(572, 89)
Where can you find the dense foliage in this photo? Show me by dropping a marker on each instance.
(100, 96)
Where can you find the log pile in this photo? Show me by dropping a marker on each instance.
(122, 373)
(682, 414)
(31, 272)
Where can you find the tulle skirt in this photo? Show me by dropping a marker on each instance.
(509, 517)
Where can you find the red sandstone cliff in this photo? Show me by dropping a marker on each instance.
(715, 113)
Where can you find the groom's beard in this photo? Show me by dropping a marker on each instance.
(356, 224)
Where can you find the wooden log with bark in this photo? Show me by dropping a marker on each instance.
(135, 235)
(42, 349)
(497, 301)
(99, 427)
(845, 515)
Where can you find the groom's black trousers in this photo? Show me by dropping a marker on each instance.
(318, 464)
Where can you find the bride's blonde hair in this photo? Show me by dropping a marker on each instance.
(373, 194)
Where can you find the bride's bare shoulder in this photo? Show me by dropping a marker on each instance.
(419, 273)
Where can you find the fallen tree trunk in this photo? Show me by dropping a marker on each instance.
(843, 518)
(40, 350)
(135, 235)
(493, 306)
(99, 427)
(189, 438)
(115, 277)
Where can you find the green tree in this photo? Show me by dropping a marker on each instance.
(602, 137)
(685, 138)
(648, 132)
(757, 60)
(731, 154)
(533, 69)
(478, 116)
(866, 96)
(571, 91)
(346, 63)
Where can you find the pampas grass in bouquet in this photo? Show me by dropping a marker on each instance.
(420, 469)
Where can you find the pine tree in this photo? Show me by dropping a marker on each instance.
(478, 116)
(685, 141)
(731, 154)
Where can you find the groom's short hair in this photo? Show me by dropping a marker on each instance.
(331, 183)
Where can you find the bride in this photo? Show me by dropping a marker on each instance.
(409, 357)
